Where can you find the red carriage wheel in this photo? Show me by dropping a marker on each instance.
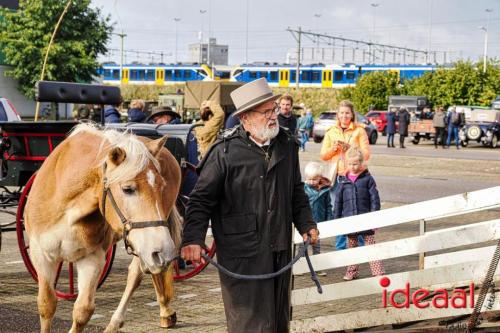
(65, 273)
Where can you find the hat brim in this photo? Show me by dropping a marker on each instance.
(163, 113)
(250, 106)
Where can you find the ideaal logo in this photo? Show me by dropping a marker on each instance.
(440, 297)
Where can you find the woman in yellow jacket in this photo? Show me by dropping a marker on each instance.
(338, 139)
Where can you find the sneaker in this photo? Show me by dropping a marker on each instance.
(321, 273)
(349, 277)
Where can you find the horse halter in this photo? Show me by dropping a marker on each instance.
(127, 224)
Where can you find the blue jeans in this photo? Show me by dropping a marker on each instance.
(453, 130)
(341, 240)
(390, 140)
(304, 137)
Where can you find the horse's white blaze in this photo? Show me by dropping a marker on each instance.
(158, 210)
(151, 178)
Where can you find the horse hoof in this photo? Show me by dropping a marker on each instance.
(169, 321)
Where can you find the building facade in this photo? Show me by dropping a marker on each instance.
(200, 53)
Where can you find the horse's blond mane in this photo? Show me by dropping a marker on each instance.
(138, 156)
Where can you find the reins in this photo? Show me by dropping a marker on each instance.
(302, 253)
(127, 224)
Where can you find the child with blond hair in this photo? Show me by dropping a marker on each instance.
(357, 194)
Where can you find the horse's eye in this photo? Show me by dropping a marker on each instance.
(129, 190)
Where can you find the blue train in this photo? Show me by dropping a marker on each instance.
(159, 74)
(278, 75)
(322, 76)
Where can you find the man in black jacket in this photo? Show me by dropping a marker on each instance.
(286, 118)
(250, 188)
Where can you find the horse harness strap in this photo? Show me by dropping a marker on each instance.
(127, 225)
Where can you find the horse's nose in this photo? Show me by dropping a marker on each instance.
(158, 259)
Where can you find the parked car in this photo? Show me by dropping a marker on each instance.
(379, 119)
(329, 119)
(8, 111)
(483, 127)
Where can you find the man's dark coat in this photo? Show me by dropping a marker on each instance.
(251, 204)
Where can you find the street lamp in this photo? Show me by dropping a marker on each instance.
(485, 29)
(202, 11)
(317, 16)
(176, 19)
(372, 54)
(246, 36)
(485, 46)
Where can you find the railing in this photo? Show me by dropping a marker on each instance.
(448, 270)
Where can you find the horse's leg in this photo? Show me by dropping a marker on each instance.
(164, 287)
(134, 279)
(89, 269)
(47, 300)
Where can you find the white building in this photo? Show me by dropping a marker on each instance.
(199, 52)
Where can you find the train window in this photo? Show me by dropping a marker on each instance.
(107, 73)
(305, 76)
(133, 74)
(263, 74)
(150, 75)
(293, 76)
(338, 76)
(116, 74)
(315, 76)
(187, 74)
(142, 74)
(168, 75)
(253, 75)
(350, 75)
(273, 76)
(177, 74)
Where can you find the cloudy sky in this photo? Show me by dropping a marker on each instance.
(450, 26)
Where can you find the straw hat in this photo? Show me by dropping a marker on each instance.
(251, 95)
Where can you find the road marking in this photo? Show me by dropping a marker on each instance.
(187, 296)
(215, 290)
(14, 262)
(96, 316)
(155, 303)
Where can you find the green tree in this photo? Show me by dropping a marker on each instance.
(373, 90)
(26, 33)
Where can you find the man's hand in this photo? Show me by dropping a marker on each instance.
(314, 233)
(192, 252)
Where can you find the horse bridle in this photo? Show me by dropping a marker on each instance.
(127, 224)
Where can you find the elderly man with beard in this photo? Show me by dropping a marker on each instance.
(250, 188)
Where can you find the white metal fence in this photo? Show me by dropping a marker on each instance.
(448, 270)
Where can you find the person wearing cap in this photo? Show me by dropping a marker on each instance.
(212, 118)
(164, 115)
(251, 189)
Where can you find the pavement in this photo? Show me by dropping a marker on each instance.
(403, 176)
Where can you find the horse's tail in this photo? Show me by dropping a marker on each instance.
(175, 221)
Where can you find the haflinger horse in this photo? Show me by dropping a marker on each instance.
(97, 187)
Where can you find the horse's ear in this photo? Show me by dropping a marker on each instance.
(155, 146)
(116, 156)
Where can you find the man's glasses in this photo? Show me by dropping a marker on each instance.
(269, 112)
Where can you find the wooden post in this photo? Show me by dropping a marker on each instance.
(421, 257)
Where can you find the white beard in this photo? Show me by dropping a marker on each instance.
(265, 133)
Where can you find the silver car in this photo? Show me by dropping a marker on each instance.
(329, 118)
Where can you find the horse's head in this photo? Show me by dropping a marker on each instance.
(140, 210)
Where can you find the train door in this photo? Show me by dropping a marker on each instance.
(284, 77)
(159, 76)
(396, 72)
(125, 76)
(326, 79)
